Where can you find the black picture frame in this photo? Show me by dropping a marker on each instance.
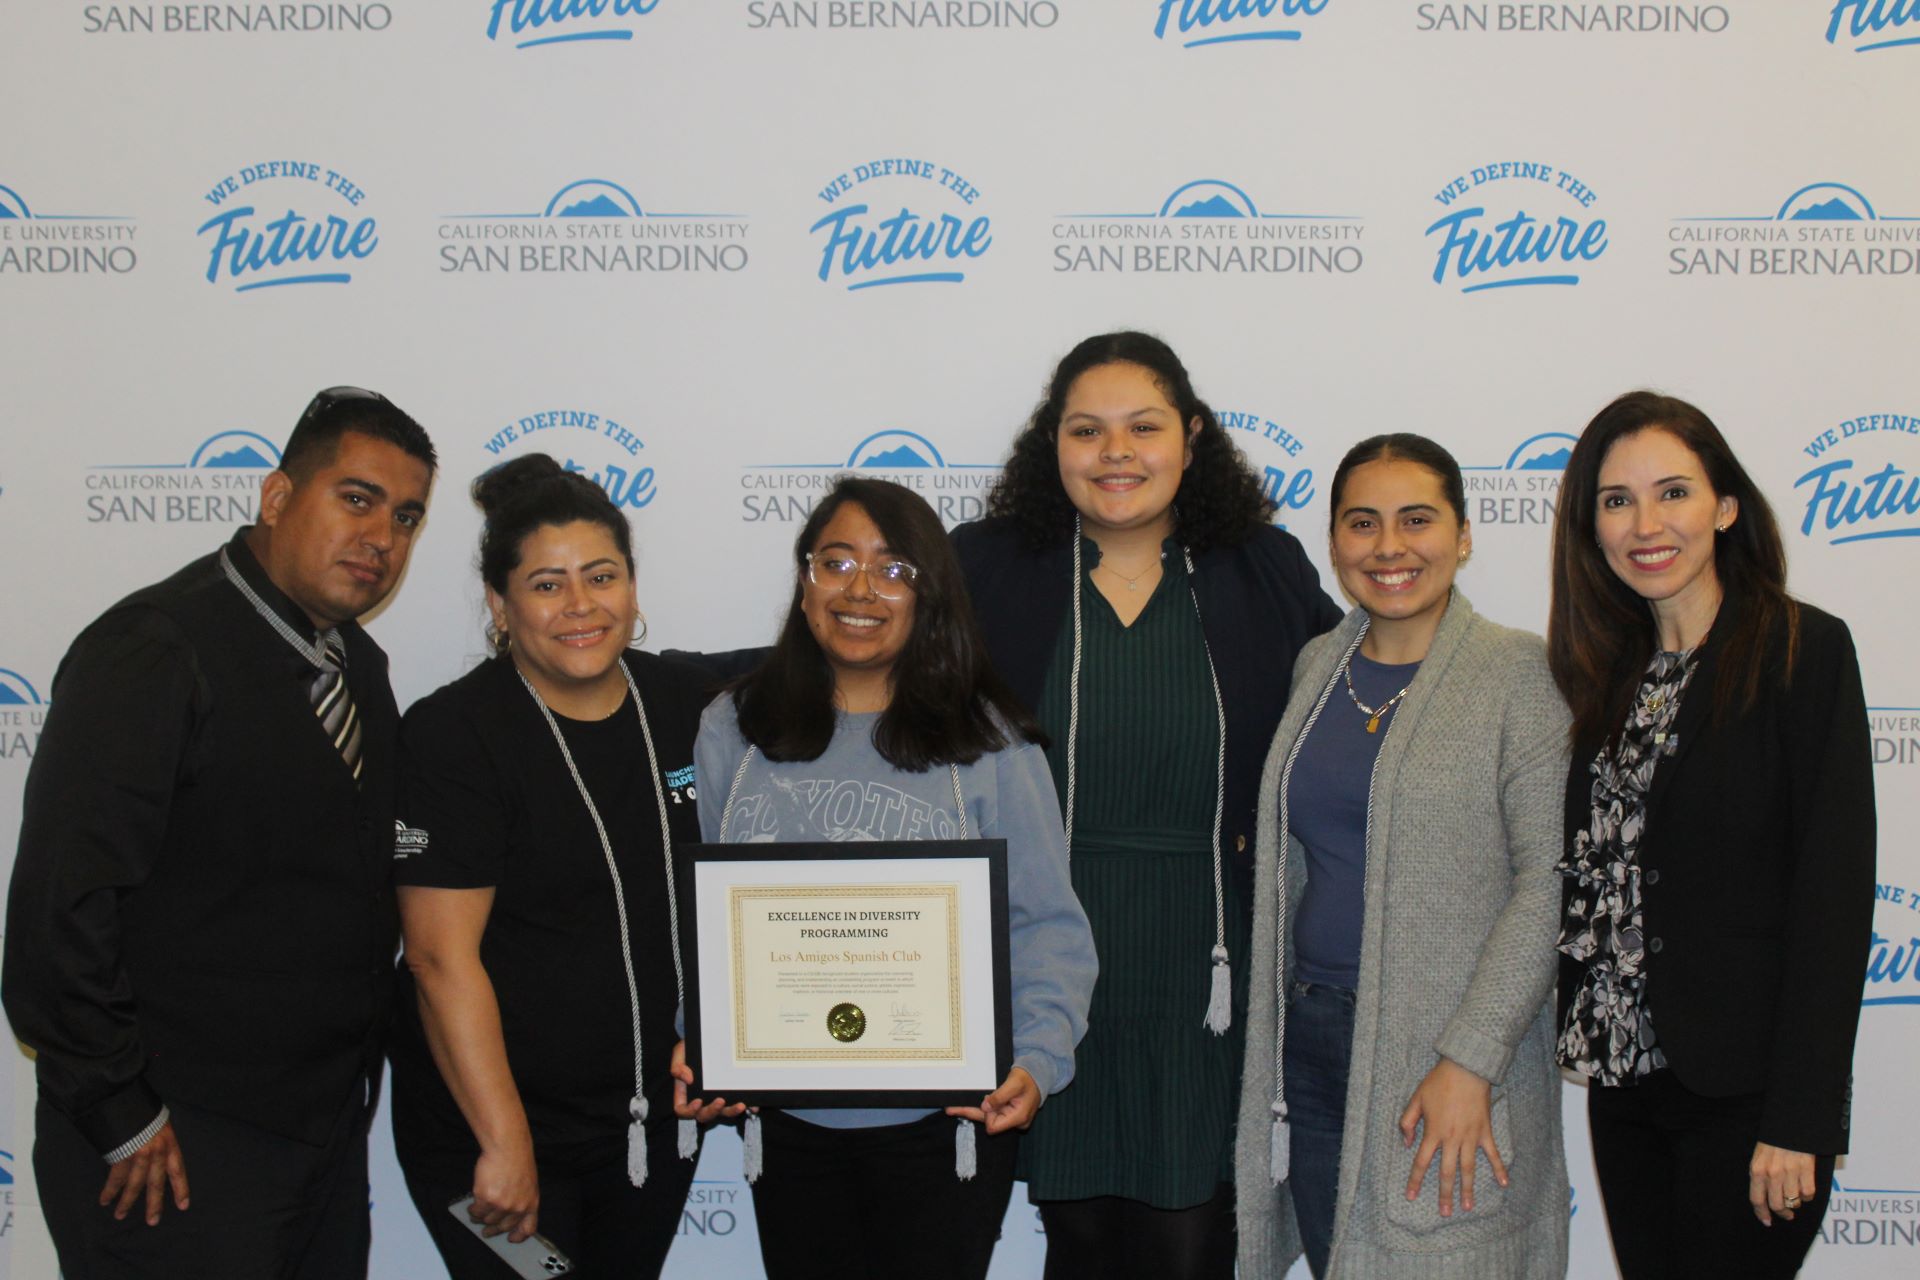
(992, 852)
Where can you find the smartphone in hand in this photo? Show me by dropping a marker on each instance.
(535, 1258)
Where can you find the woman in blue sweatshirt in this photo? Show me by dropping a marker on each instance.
(878, 689)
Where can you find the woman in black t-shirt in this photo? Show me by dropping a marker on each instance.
(539, 798)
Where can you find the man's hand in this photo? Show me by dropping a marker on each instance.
(152, 1168)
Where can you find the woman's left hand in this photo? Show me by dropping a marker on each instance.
(1778, 1181)
(1457, 1106)
(701, 1109)
(1012, 1106)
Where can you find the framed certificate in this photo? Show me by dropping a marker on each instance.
(847, 975)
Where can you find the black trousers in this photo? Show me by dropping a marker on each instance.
(607, 1226)
(262, 1207)
(1673, 1177)
(879, 1203)
(1111, 1237)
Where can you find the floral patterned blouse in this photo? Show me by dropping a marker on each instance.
(1608, 1035)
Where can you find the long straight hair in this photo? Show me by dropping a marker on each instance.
(1600, 631)
(948, 704)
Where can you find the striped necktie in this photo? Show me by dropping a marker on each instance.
(333, 701)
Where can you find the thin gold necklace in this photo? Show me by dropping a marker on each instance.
(1133, 583)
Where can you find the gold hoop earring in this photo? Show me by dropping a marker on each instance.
(639, 637)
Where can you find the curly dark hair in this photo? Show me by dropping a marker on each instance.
(948, 703)
(1220, 501)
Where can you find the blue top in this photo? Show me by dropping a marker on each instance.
(851, 793)
(1327, 811)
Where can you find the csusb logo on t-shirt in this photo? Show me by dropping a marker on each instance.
(1867, 25)
(63, 244)
(1515, 222)
(592, 227)
(1850, 498)
(784, 493)
(530, 24)
(1523, 490)
(900, 220)
(1208, 227)
(285, 222)
(1197, 23)
(219, 483)
(22, 713)
(612, 451)
(1823, 229)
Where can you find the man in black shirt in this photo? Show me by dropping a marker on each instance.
(201, 929)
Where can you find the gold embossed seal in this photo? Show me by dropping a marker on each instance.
(846, 1023)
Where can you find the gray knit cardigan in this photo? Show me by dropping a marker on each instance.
(1456, 959)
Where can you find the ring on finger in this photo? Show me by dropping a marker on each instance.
(1792, 1202)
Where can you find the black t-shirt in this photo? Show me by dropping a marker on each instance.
(485, 799)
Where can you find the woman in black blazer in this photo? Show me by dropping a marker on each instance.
(1720, 851)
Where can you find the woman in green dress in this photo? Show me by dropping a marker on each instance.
(1133, 590)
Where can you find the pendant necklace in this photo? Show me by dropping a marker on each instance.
(1133, 583)
(1373, 714)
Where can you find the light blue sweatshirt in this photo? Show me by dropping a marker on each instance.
(851, 793)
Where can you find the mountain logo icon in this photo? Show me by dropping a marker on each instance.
(1208, 198)
(1548, 451)
(592, 198)
(16, 691)
(895, 451)
(236, 449)
(1826, 202)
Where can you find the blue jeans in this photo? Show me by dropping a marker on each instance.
(1318, 1050)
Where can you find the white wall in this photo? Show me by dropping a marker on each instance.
(739, 380)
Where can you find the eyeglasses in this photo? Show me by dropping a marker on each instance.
(890, 579)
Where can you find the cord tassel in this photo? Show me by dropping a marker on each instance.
(637, 1140)
(1280, 1156)
(966, 1157)
(753, 1150)
(689, 1139)
(1220, 1000)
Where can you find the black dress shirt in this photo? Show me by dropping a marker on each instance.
(200, 907)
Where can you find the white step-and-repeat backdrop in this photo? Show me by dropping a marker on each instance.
(712, 251)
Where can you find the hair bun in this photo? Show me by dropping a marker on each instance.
(500, 485)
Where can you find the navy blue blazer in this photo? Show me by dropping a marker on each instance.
(1260, 602)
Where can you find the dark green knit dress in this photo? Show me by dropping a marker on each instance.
(1150, 1112)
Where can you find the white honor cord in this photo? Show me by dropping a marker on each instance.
(637, 1109)
(1279, 1155)
(753, 1151)
(1219, 1014)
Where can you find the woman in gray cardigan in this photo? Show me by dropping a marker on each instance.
(1400, 1111)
